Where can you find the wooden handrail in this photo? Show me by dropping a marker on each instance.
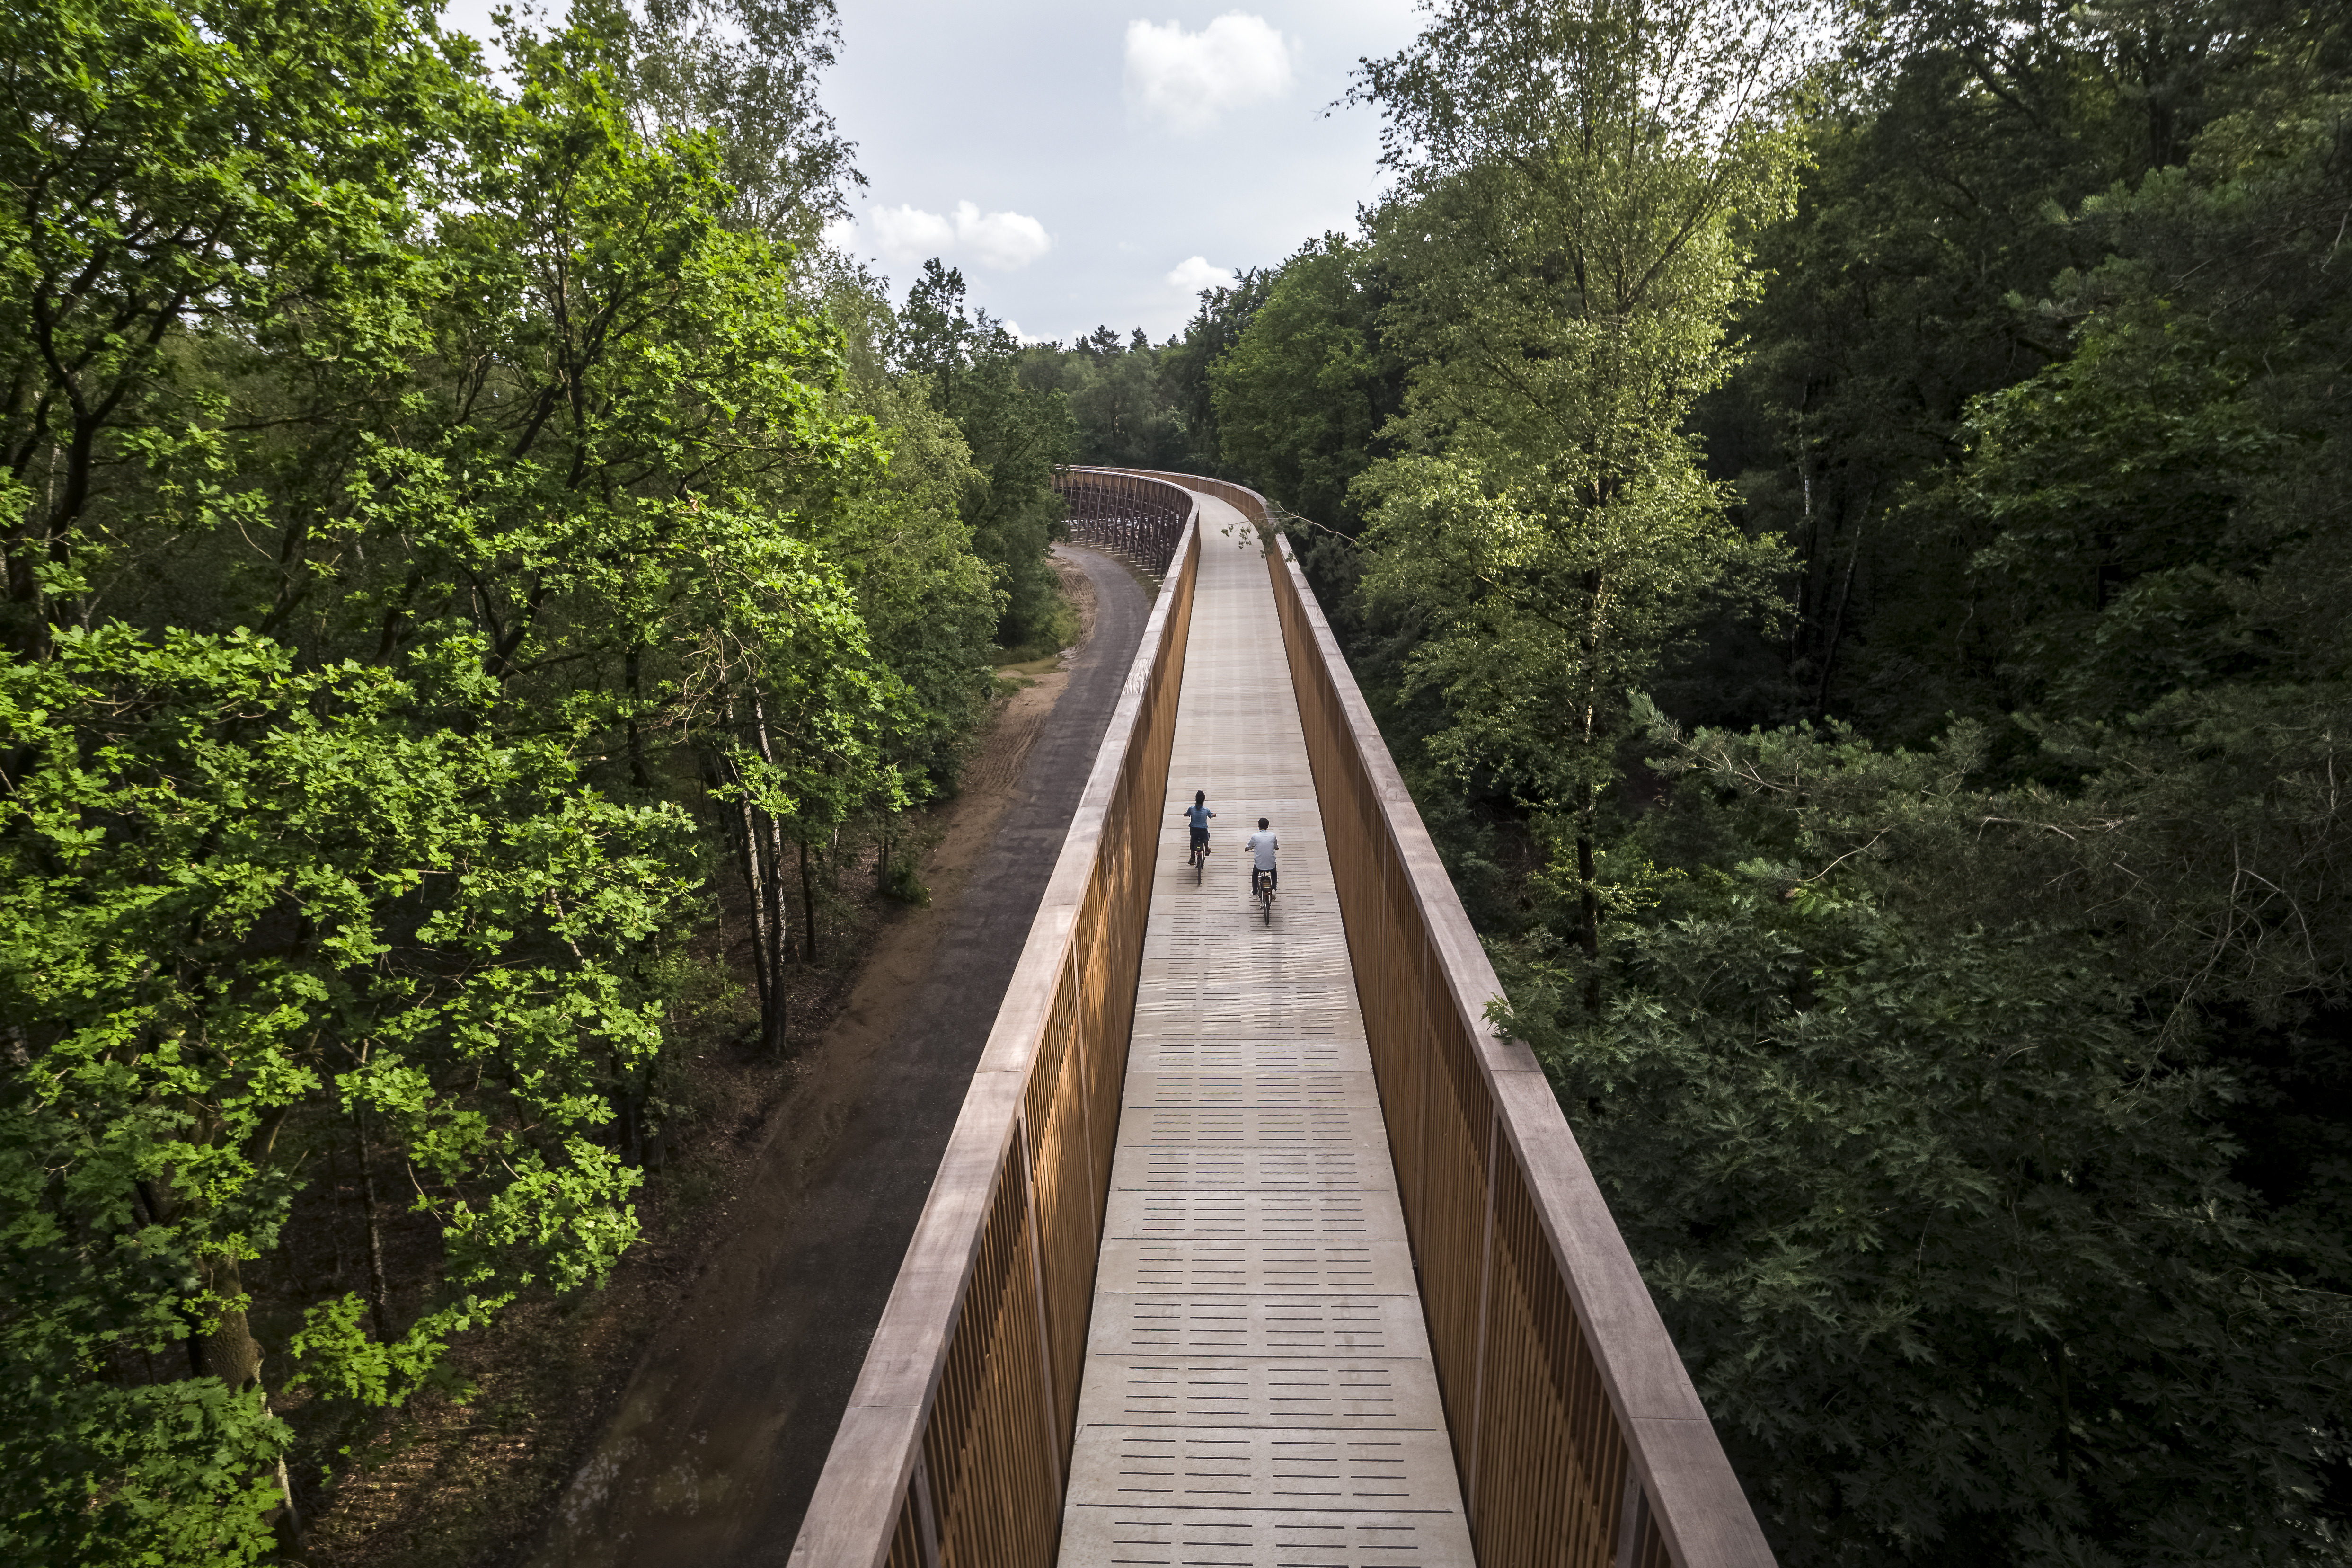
(957, 1436)
(1578, 1435)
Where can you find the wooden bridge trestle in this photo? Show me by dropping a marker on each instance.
(1137, 519)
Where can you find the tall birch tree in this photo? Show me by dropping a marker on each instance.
(1576, 182)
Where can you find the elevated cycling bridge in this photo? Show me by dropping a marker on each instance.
(1252, 1244)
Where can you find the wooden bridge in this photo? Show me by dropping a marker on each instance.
(1252, 1244)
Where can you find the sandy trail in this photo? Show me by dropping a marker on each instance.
(717, 1440)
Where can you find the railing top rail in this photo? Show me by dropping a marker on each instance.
(1696, 1497)
(852, 1515)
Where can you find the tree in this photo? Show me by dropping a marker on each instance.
(239, 899)
(1301, 398)
(412, 474)
(1924, 210)
(929, 603)
(1566, 238)
(781, 699)
(1018, 435)
(1187, 365)
(162, 210)
(1124, 412)
(1947, 1231)
(745, 70)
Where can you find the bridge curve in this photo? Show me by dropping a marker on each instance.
(1256, 1246)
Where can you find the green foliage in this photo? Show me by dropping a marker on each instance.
(1955, 1264)
(432, 508)
(1566, 249)
(1947, 1232)
(1301, 398)
(235, 890)
(931, 606)
(1017, 434)
(1121, 406)
(156, 210)
(746, 71)
(2161, 507)
(171, 1472)
(1188, 366)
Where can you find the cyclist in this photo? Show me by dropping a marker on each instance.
(1262, 846)
(1198, 814)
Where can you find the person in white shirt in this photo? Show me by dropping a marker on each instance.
(1262, 846)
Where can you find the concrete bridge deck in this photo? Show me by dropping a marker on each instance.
(1180, 1295)
(1259, 1386)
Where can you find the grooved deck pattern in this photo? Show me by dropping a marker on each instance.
(1258, 1388)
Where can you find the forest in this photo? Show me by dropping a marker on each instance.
(1845, 519)
(1844, 515)
(464, 538)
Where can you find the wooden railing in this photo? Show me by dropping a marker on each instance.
(1125, 513)
(953, 1450)
(1581, 1440)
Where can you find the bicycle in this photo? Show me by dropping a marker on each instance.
(1262, 884)
(1200, 859)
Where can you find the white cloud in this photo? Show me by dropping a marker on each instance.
(908, 233)
(1194, 274)
(1002, 242)
(1187, 80)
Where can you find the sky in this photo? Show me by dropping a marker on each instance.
(1089, 165)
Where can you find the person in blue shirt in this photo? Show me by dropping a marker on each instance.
(1198, 814)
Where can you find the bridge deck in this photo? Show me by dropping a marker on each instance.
(1259, 1386)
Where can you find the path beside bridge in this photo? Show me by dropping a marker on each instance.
(726, 1423)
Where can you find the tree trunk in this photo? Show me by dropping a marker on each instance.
(379, 1289)
(758, 883)
(640, 775)
(226, 1350)
(808, 905)
(1845, 592)
(335, 1214)
(1589, 923)
(775, 1007)
(774, 1019)
(758, 856)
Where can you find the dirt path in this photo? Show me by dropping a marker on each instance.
(725, 1424)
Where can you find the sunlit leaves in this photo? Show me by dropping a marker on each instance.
(232, 887)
